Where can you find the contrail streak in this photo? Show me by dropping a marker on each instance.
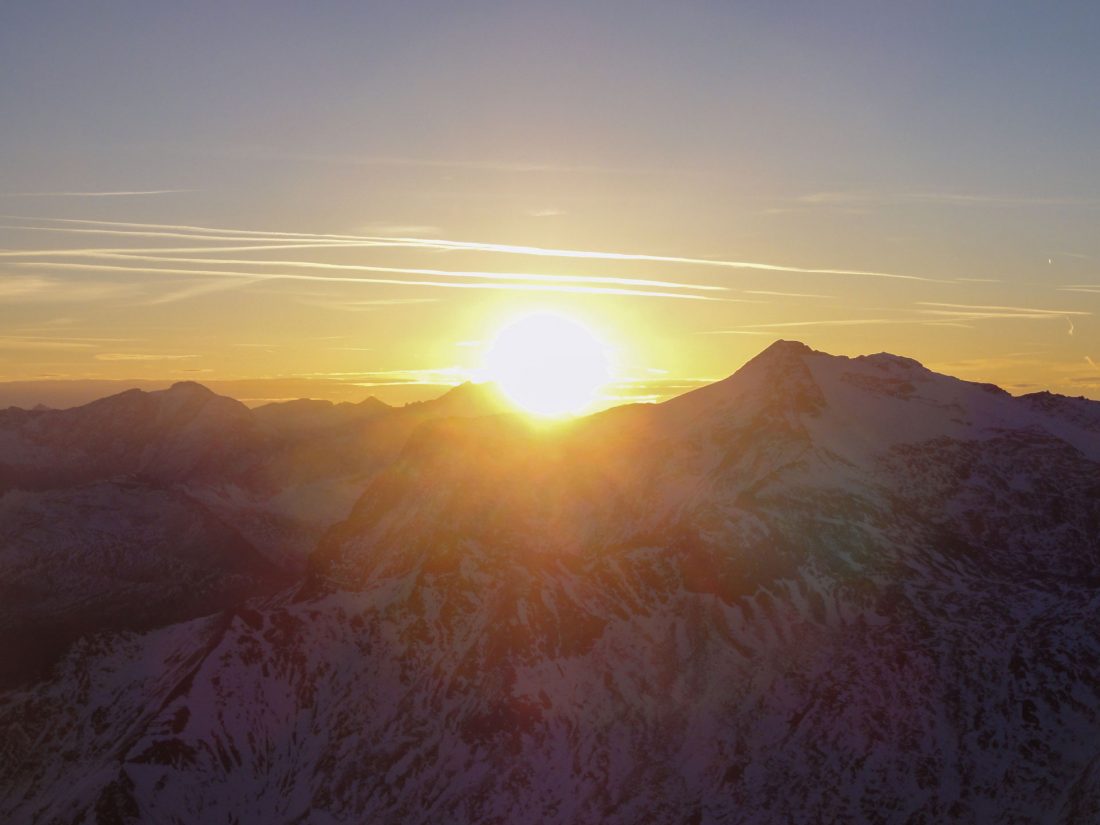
(256, 278)
(502, 276)
(477, 246)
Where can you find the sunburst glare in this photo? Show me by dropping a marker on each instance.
(548, 364)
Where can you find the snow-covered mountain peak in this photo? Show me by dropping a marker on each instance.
(825, 589)
(783, 348)
(888, 362)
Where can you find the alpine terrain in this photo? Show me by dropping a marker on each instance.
(824, 589)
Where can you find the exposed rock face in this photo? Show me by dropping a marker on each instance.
(823, 589)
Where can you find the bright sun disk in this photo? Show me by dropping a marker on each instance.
(548, 364)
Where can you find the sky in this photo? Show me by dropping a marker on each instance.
(345, 199)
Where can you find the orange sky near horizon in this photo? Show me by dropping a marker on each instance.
(349, 202)
(404, 317)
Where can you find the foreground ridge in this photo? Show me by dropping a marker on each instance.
(822, 589)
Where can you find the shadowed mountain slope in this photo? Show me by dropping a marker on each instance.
(823, 589)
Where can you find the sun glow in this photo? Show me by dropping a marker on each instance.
(548, 364)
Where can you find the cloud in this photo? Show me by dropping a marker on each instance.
(260, 246)
(262, 278)
(140, 356)
(28, 289)
(954, 316)
(994, 307)
(19, 286)
(52, 342)
(786, 294)
(368, 305)
(195, 290)
(845, 322)
(436, 377)
(734, 332)
(400, 229)
(477, 246)
(402, 161)
(980, 312)
(446, 273)
(866, 197)
(108, 194)
(208, 233)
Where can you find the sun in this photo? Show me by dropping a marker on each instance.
(548, 364)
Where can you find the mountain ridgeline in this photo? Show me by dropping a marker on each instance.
(822, 589)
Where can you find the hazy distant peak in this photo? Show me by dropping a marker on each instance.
(372, 402)
(470, 399)
(296, 404)
(190, 387)
(312, 414)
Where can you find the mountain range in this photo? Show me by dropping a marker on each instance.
(824, 589)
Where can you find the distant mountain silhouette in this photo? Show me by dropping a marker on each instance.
(144, 508)
(824, 589)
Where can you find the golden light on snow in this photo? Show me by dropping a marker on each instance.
(548, 364)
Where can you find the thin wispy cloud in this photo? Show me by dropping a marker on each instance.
(261, 246)
(786, 294)
(399, 229)
(412, 162)
(436, 377)
(208, 233)
(445, 273)
(995, 307)
(19, 342)
(475, 246)
(123, 193)
(151, 233)
(842, 322)
(141, 356)
(33, 289)
(734, 332)
(368, 305)
(865, 197)
(281, 276)
(194, 291)
(939, 317)
(978, 312)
